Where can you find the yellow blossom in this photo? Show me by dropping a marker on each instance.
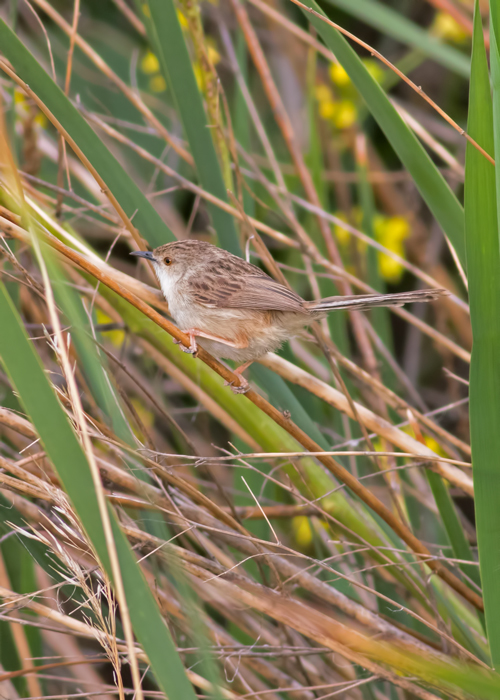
(345, 114)
(182, 19)
(338, 75)
(157, 83)
(41, 120)
(341, 234)
(447, 28)
(434, 446)
(146, 10)
(213, 54)
(19, 97)
(149, 63)
(327, 109)
(429, 441)
(391, 232)
(116, 337)
(302, 530)
(323, 93)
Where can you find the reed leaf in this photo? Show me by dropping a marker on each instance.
(483, 264)
(62, 446)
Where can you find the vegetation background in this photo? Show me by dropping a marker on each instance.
(323, 535)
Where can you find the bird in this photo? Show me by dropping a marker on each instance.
(235, 311)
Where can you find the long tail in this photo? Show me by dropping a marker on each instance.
(361, 302)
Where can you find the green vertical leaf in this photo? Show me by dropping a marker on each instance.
(27, 375)
(483, 263)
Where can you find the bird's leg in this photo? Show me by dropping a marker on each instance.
(193, 346)
(244, 385)
(192, 349)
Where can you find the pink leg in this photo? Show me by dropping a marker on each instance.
(193, 346)
(244, 385)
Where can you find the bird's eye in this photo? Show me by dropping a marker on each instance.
(167, 261)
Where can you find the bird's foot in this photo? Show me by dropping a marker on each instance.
(242, 388)
(192, 349)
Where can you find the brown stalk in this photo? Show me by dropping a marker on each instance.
(331, 464)
(248, 545)
(62, 158)
(131, 17)
(316, 625)
(375, 423)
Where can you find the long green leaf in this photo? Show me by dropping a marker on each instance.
(392, 23)
(26, 372)
(452, 525)
(483, 263)
(428, 180)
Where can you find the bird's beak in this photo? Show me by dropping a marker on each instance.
(144, 254)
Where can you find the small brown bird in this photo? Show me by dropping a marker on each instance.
(236, 310)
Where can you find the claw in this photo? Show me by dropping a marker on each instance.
(242, 389)
(191, 350)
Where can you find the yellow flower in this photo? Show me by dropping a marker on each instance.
(116, 337)
(327, 109)
(390, 269)
(429, 441)
(149, 63)
(391, 232)
(146, 10)
(434, 446)
(157, 83)
(182, 19)
(302, 530)
(213, 54)
(41, 120)
(341, 234)
(345, 114)
(374, 69)
(396, 229)
(338, 75)
(323, 93)
(19, 96)
(446, 27)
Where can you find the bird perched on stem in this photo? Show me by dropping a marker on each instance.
(237, 312)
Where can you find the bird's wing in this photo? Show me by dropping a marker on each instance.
(253, 291)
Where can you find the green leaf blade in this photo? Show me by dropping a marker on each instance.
(483, 262)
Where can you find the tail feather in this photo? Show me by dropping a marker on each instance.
(362, 302)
